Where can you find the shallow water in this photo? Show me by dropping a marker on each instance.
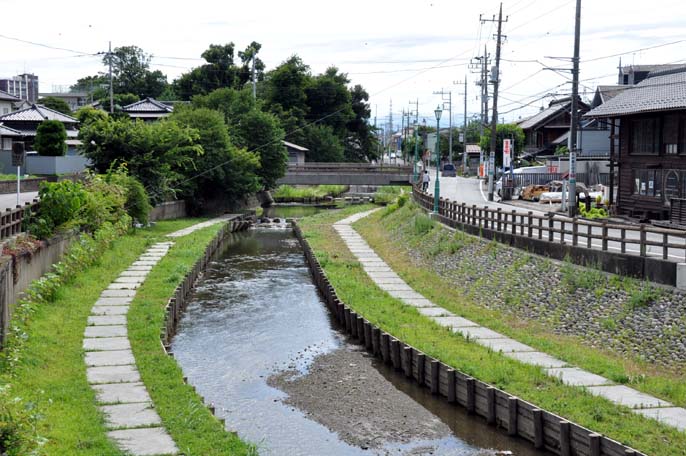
(257, 313)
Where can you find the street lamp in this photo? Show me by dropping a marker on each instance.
(437, 189)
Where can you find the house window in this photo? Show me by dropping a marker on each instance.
(6, 144)
(648, 182)
(670, 134)
(645, 136)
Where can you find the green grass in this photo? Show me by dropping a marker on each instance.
(319, 191)
(52, 373)
(528, 382)
(194, 429)
(13, 177)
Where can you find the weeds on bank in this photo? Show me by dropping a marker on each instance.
(355, 288)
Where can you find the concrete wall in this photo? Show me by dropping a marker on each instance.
(36, 164)
(16, 275)
(168, 210)
(27, 185)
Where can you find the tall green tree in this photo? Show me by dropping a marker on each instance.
(50, 138)
(245, 71)
(286, 88)
(261, 132)
(219, 71)
(56, 104)
(131, 72)
(510, 131)
(361, 143)
(223, 169)
(323, 144)
(329, 101)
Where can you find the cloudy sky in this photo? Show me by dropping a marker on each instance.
(400, 51)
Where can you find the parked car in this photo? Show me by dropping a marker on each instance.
(448, 170)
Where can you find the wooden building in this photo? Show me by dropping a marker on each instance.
(652, 143)
(547, 126)
(148, 110)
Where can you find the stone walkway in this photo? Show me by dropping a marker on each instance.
(386, 279)
(111, 371)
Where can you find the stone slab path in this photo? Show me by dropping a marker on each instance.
(111, 369)
(384, 277)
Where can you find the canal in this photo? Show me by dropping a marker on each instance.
(257, 341)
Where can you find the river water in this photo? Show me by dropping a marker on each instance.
(257, 341)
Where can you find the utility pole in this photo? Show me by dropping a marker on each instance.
(402, 134)
(416, 142)
(481, 65)
(495, 80)
(575, 112)
(449, 103)
(464, 133)
(109, 59)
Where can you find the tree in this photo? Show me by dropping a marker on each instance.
(245, 71)
(361, 143)
(261, 132)
(511, 131)
(56, 104)
(50, 138)
(223, 168)
(329, 101)
(286, 85)
(323, 144)
(232, 103)
(156, 153)
(88, 114)
(131, 72)
(219, 71)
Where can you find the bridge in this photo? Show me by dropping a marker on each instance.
(314, 173)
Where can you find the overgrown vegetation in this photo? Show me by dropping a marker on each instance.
(354, 288)
(593, 213)
(87, 205)
(285, 192)
(389, 194)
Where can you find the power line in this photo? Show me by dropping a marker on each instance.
(34, 43)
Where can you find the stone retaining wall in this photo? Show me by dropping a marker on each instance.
(168, 210)
(543, 429)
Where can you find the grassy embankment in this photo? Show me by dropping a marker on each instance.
(319, 191)
(51, 372)
(528, 382)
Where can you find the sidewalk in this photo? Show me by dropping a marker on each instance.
(386, 279)
(111, 368)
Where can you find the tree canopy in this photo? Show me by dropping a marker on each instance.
(50, 138)
(511, 131)
(56, 104)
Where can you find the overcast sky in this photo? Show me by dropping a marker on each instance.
(399, 51)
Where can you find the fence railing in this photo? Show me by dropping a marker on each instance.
(348, 168)
(12, 219)
(524, 179)
(555, 228)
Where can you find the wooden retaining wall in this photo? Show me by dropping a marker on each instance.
(544, 430)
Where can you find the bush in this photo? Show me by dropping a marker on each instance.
(59, 207)
(594, 213)
(18, 420)
(422, 224)
(137, 203)
(50, 138)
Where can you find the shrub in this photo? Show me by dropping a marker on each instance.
(422, 224)
(18, 420)
(594, 213)
(50, 138)
(137, 203)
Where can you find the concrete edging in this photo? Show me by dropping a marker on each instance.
(543, 429)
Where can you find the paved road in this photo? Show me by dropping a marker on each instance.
(10, 200)
(471, 191)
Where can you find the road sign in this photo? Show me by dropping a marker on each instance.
(18, 154)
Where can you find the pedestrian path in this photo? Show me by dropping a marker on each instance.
(111, 369)
(386, 279)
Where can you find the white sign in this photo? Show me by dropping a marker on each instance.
(507, 153)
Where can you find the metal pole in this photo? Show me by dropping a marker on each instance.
(464, 138)
(612, 162)
(416, 141)
(494, 120)
(109, 55)
(18, 183)
(402, 135)
(450, 128)
(575, 113)
(437, 187)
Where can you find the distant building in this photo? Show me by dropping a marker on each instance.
(8, 136)
(634, 74)
(23, 86)
(26, 122)
(75, 100)
(148, 110)
(7, 102)
(296, 153)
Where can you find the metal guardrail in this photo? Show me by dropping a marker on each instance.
(12, 219)
(577, 231)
